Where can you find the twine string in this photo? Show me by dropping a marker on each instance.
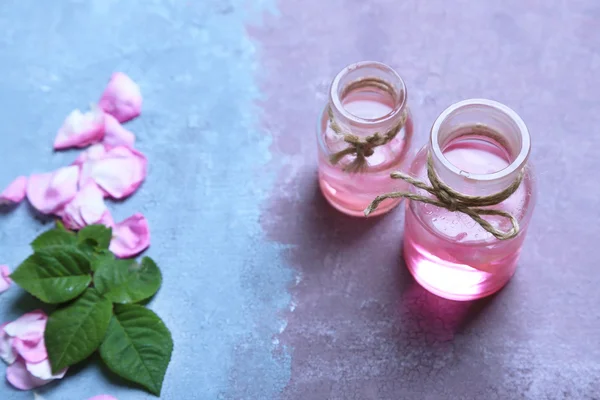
(446, 197)
(363, 148)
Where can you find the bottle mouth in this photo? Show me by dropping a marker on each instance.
(370, 80)
(495, 120)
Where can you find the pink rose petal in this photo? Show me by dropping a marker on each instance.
(130, 237)
(119, 171)
(14, 192)
(28, 326)
(32, 350)
(103, 397)
(116, 134)
(87, 208)
(7, 354)
(5, 280)
(18, 376)
(49, 192)
(42, 370)
(95, 152)
(121, 98)
(80, 130)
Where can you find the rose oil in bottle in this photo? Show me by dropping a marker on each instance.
(367, 100)
(478, 148)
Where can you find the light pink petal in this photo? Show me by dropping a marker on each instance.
(7, 354)
(119, 172)
(5, 280)
(14, 192)
(43, 370)
(121, 98)
(103, 397)
(80, 129)
(87, 208)
(95, 152)
(49, 192)
(116, 134)
(18, 376)
(32, 351)
(130, 237)
(28, 326)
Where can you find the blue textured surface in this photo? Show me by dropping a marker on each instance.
(222, 291)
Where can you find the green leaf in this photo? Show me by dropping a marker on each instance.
(126, 281)
(99, 233)
(54, 274)
(75, 332)
(100, 257)
(54, 237)
(138, 346)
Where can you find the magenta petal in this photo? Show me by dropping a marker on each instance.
(119, 172)
(116, 134)
(42, 370)
(87, 208)
(121, 98)
(80, 130)
(15, 191)
(50, 191)
(32, 351)
(18, 376)
(130, 237)
(28, 325)
(5, 280)
(7, 353)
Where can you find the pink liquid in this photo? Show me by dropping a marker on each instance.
(450, 254)
(352, 193)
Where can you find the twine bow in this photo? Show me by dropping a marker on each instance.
(362, 148)
(450, 199)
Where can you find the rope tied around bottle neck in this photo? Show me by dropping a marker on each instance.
(450, 199)
(363, 148)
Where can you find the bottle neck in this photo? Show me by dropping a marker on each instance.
(479, 147)
(367, 97)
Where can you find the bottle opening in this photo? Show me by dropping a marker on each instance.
(480, 128)
(369, 99)
(367, 95)
(477, 151)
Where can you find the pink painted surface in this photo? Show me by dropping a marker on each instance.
(361, 327)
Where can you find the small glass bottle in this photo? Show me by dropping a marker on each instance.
(478, 148)
(364, 134)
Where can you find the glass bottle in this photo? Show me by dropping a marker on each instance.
(367, 100)
(478, 148)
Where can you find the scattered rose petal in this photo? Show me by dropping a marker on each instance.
(80, 130)
(116, 134)
(32, 349)
(49, 192)
(95, 152)
(130, 237)
(18, 376)
(7, 353)
(23, 347)
(119, 171)
(14, 192)
(28, 325)
(43, 370)
(121, 98)
(103, 397)
(5, 280)
(86, 208)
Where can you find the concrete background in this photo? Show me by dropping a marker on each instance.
(268, 291)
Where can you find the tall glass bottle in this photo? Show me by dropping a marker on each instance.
(364, 133)
(478, 148)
